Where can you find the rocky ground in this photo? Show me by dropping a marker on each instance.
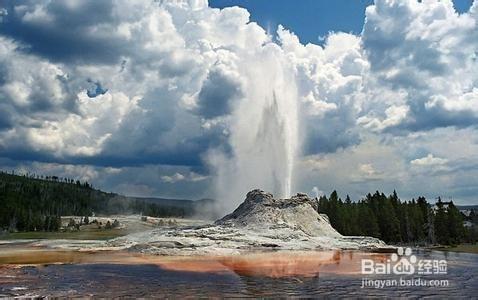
(260, 222)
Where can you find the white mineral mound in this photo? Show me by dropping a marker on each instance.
(260, 222)
(261, 211)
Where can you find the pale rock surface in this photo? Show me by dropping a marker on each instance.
(260, 222)
(261, 211)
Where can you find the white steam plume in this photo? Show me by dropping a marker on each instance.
(264, 132)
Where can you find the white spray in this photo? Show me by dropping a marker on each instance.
(263, 133)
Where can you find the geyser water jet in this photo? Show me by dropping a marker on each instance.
(263, 136)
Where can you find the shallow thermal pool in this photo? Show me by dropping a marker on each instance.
(30, 271)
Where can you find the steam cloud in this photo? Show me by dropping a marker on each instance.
(264, 131)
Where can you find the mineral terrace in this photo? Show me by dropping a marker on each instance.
(261, 222)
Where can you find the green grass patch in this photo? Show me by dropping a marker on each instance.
(468, 248)
(93, 234)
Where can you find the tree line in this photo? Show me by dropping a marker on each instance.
(396, 221)
(36, 203)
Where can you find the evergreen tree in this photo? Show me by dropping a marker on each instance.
(441, 224)
(455, 224)
(367, 221)
(31, 204)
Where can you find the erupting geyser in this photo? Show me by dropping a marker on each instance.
(263, 133)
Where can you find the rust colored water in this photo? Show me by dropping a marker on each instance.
(31, 272)
(267, 264)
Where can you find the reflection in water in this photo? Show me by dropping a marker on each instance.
(271, 274)
(263, 264)
(305, 264)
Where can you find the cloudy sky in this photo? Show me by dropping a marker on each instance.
(134, 96)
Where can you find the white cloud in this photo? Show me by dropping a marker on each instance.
(467, 102)
(317, 107)
(176, 177)
(173, 178)
(177, 73)
(76, 172)
(429, 160)
(185, 50)
(197, 177)
(317, 192)
(3, 13)
(425, 52)
(394, 115)
(367, 169)
(37, 15)
(330, 83)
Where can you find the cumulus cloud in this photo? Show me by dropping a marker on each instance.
(173, 178)
(394, 115)
(141, 64)
(217, 93)
(466, 103)
(367, 169)
(180, 177)
(429, 160)
(121, 84)
(184, 59)
(425, 53)
(330, 79)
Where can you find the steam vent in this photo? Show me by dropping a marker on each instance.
(261, 222)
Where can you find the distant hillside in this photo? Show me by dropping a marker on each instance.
(203, 208)
(30, 202)
(467, 207)
(172, 202)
